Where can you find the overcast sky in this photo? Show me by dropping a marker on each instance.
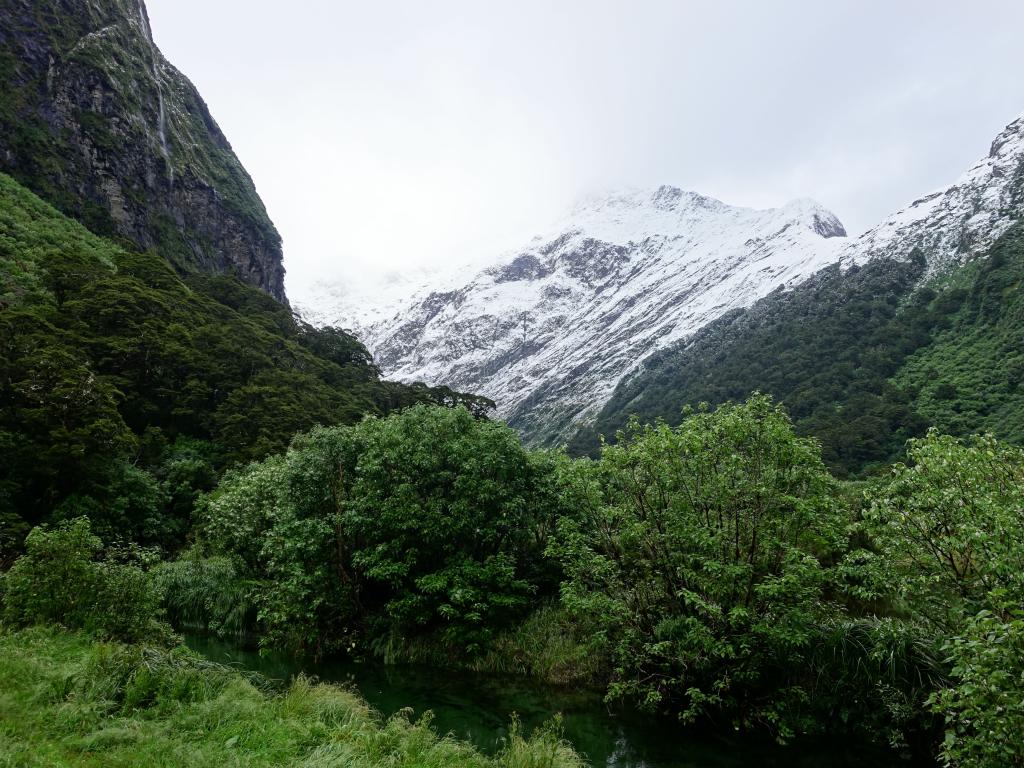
(385, 136)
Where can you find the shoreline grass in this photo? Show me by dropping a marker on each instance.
(67, 699)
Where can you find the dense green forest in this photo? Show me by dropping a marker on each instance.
(127, 389)
(714, 573)
(863, 359)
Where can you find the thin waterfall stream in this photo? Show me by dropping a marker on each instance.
(161, 126)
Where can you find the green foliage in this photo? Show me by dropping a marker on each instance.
(427, 521)
(68, 701)
(984, 710)
(125, 391)
(698, 562)
(204, 594)
(949, 532)
(949, 526)
(53, 581)
(59, 581)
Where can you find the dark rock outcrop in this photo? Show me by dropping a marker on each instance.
(94, 119)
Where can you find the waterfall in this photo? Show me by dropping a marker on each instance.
(161, 127)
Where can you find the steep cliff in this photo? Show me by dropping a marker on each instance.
(95, 120)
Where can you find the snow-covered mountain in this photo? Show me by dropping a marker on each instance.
(957, 222)
(549, 330)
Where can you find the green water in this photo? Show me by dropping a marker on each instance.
(478, 708)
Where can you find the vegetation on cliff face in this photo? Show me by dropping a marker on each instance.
(125, 390)
(95, 121)
(971, 377)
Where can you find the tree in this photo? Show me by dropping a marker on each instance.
(696, 560)
(430, 521)
(949, 526)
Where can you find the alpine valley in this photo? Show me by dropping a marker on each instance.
(800, 542)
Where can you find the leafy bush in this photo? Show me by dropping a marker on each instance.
(59, 581)
(949, 527)
(949, 530)
(984, 708)
(427, 521)
(697, 562)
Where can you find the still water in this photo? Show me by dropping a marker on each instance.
(478, 708)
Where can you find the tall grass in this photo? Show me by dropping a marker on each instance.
(66, 700)
(548, 646)
(204, 594)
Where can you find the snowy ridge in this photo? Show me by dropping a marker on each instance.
(956, 223)
(357, 307)
(551, 329)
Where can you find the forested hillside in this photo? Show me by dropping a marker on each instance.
(863, 358)
(970, 378)
(126, 389)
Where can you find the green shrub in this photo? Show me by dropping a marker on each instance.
(59, 581)
(984, 707)
(55, 580)
(949, 527)
(428, 521)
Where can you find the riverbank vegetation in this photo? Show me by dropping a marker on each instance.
(713, 573)
(70, 700)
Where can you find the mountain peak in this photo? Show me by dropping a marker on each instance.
(820, 219)
(1009, 141)
(548, 330)
(662, 198)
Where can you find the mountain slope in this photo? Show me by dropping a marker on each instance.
(871, 352)
(956, 223)
(971, 377)
(126, 388)
(96, 121)
(549, 331)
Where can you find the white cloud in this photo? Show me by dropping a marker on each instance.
(396, 135)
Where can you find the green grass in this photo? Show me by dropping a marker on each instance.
(67, 700)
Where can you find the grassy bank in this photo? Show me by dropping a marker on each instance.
(68, 700)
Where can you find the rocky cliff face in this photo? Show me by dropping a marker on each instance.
(94, 119)
(549, 330)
